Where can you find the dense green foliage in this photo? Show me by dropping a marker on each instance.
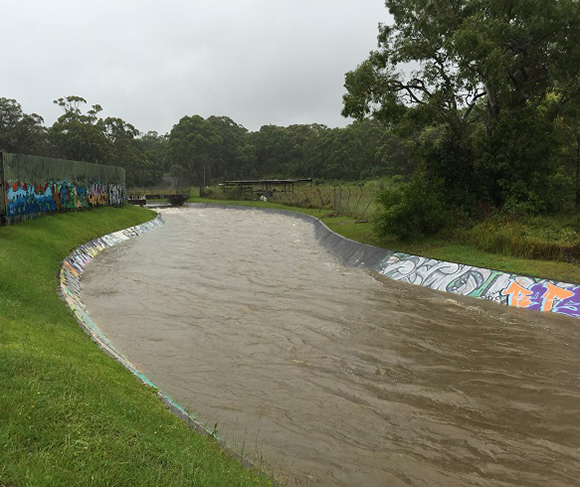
(201, 151)
(71, 415)
(489, 92)
(412, 210)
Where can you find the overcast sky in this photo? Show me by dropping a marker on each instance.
(152, 62)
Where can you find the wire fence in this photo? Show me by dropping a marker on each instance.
(352, 201)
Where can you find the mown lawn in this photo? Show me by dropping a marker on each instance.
(69, 414)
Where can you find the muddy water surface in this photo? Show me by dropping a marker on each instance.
(330, 377)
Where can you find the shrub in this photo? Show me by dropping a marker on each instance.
(413, 210)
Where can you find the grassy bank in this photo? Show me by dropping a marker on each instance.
(467, 247)
(70, 415)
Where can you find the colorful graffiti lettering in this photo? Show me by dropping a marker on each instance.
(518, 296)
(24, 198)
(543, 297)
(519, 291)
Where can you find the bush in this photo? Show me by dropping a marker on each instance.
(413, 211)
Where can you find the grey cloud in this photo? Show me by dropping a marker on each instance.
(257, 61)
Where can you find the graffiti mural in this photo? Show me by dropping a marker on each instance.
(24, 198)
(513, 290)
(33, 185)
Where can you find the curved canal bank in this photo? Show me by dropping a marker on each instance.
(70, 415)
(71, 272)
(329, 376)
(520, 291)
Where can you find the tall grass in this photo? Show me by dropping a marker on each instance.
(70, 415)
(548, 237)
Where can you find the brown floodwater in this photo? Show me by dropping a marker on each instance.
(328, 376)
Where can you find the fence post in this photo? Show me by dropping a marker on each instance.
(320, 197)
(359, 197)
(309, 200)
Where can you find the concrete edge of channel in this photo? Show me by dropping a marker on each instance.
(532, 293)
(350, 252)
(69, 290)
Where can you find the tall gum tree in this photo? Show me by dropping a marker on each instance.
(80, 136)
(192, 148)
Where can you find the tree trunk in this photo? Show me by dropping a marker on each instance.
(492, 108)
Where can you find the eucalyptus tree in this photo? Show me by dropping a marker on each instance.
(80, 136)
(125, 151)
(229, 158)
(153, 147)
(274, 151)
(192, 148)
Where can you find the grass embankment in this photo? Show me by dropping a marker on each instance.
(69, 414)
(491, 244)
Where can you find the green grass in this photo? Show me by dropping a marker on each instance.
(460, 249)
(69, 414)
(550, 237)
(262, 204)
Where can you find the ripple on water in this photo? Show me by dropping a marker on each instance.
(331, 377)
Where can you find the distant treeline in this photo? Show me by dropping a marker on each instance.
(199, 150)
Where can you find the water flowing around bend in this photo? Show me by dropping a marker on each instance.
(330, 376)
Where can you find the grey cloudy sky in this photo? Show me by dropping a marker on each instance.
(153, 62)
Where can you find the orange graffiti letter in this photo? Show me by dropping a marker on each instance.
(518, 296)
(553, 293)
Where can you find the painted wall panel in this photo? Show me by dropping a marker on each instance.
(32, 185)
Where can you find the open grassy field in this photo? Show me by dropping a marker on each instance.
(69, 414)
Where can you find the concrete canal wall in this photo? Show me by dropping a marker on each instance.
(511, 289)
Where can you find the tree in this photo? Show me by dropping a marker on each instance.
(125, 151)
(476, 72)
(395, 156)
(20, 132)
(229, 157)
(568, 131)
(80, 136)
(192, 148)
(274, 151)
(153, 147)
